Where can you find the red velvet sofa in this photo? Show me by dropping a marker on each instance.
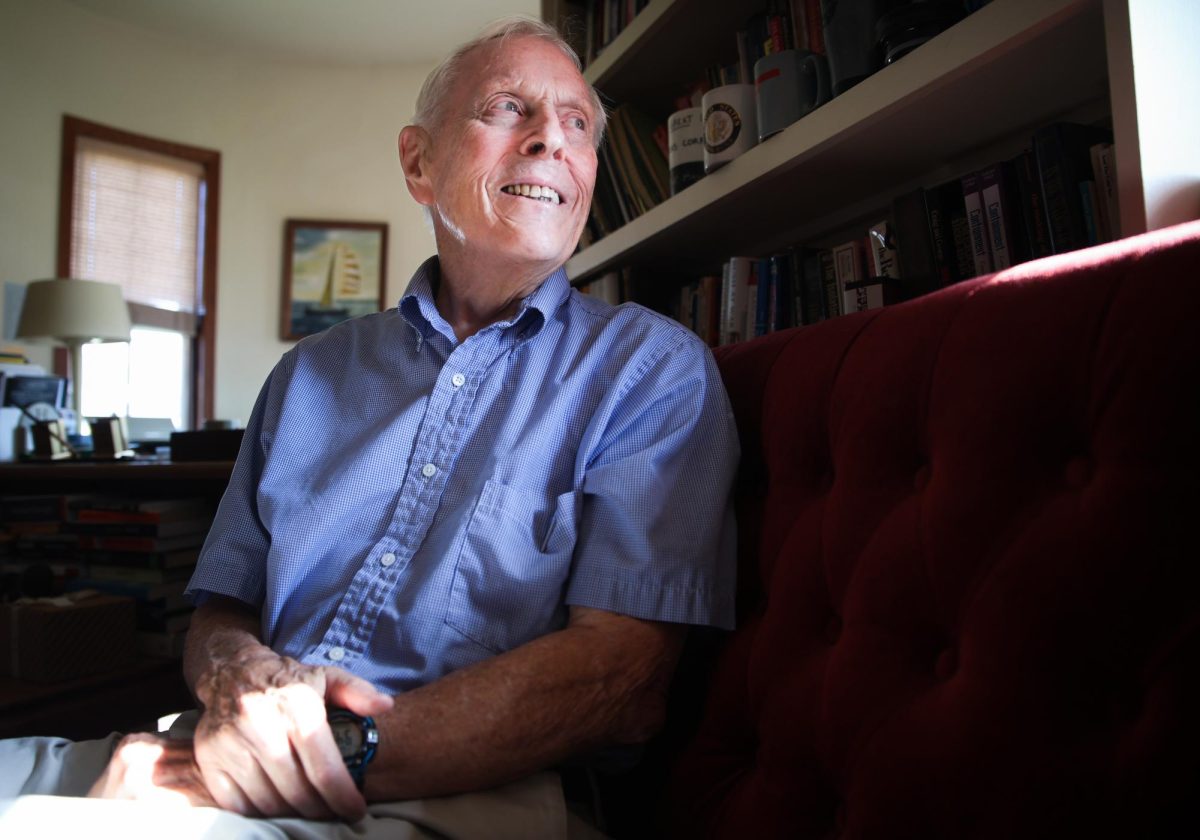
(969, 596)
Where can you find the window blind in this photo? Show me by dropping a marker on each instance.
(136, 223)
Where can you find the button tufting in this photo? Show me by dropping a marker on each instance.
(947, 664)
(1078, 472)
(833, 629)
(921, 477)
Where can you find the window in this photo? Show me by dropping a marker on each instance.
(141, 213)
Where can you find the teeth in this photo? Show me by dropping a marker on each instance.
(534, 191)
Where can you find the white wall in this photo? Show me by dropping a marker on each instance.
(296, 141)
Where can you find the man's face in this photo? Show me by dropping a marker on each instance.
(519, 122)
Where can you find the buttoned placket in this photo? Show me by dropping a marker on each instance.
(436, 447)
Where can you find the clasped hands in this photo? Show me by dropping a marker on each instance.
(262, 746)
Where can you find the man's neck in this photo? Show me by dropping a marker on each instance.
(473, 293)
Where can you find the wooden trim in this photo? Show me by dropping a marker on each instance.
(204, 359)
(204, 354)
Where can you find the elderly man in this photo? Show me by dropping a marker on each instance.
(464, 537)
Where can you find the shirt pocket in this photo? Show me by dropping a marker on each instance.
(511, 573)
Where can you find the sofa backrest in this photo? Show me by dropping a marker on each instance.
(969, 563)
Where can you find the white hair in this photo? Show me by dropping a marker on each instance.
(436, 89)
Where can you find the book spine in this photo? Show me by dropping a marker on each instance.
(812, 295)
(912, 233)
(775, 30)
(139, 575)
(976, 225)
(727, 301)
(847, 262)
(710, 289)
(1052, 179)
(762, 308)
(993, 208)
(749, 319)
(149, 544)
(137, 529)
(885, 263)
(832, 295)
(1107, 179)
(142, 559)
(816, 26)
(740, 278)
(1033, 209)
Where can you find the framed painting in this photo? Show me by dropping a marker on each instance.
(331, 271)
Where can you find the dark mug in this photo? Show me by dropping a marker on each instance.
(788, 85)
(849, 28)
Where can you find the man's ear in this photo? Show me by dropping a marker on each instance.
(415, 147)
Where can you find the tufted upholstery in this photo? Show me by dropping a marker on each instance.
(970, 564)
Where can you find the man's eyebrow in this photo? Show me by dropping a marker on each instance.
(516, 85)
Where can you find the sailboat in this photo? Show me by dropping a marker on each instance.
(343, 279)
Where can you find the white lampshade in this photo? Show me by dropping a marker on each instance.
(74, 312)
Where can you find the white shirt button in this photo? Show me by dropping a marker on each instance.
(429, 470)
(387, 559)
(337, 654)
(458, 380)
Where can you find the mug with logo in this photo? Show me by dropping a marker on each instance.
(730, 123)
(788, 84)
(685, 137)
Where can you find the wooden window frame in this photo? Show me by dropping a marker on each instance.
(204, 355)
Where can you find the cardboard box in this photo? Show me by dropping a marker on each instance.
(56, 639)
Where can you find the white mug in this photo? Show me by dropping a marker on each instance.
(730, 124)
(685, 132)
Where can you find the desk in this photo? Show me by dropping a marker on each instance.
(130, 698)
(153, 478)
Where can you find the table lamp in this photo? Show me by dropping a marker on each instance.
(74, 313)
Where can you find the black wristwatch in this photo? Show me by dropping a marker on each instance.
(357, 738)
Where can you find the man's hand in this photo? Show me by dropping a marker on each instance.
(147, 767)
(263, 744)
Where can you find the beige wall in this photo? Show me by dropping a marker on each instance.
(296, 141)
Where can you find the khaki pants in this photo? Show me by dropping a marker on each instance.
(43, 780)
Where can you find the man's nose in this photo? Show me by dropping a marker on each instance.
(545, 136)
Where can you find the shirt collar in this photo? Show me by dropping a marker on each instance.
(419, 310)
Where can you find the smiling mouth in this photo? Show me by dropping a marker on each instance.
(534, 191)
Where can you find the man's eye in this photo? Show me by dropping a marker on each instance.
(578, 123)
(508, 105)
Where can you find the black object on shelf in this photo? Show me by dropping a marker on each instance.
(206, 445)
(903, 29)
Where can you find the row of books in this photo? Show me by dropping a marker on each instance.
(138, 548)
(1055, 196)
(632, 175)
(604, 20)
(1058, 195)
(782, 25)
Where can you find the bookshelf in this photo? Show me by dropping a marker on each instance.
(975, 92)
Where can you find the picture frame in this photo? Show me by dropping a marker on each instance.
(332, 271)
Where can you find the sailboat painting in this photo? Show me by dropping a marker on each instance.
(332, 271)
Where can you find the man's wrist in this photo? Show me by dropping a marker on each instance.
(357, 739)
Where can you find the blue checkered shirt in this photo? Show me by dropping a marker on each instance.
(405, 504)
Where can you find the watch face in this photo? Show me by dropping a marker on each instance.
(347, 734)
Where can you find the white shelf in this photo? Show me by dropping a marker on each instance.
(1008, 68)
